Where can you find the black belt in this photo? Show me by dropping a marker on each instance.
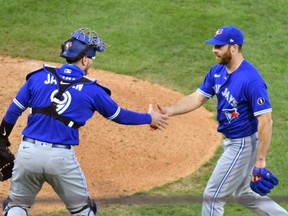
(54, 145)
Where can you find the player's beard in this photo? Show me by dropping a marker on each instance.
(226, 57)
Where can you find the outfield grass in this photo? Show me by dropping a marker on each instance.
(163, 41)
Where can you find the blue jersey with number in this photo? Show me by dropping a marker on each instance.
(79, 102)
(242, 95)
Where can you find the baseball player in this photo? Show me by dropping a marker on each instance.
(61, 100)
(244, 116)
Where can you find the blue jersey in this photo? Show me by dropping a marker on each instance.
(78, 103)
(242, 95)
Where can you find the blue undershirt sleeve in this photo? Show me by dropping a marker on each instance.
(108, 108)
(13, 113)
(18, 106)
(129, 117)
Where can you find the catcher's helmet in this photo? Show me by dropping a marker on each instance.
(84, 42)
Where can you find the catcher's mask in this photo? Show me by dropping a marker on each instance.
(84, 42)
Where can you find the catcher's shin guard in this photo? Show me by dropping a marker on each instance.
(5, 207)
(89, 210)
(12, 211)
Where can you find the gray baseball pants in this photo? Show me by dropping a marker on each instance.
(38, 163)
(232, 175)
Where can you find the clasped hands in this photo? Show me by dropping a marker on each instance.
(159, 119)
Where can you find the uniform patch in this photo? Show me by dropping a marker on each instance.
(261, 101)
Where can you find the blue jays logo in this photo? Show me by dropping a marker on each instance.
(231, 114)
(64, 102)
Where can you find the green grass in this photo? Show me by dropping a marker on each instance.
(163, 41)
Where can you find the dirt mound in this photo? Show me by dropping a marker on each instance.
(117, 159)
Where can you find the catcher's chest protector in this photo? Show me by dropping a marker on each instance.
(51, 109)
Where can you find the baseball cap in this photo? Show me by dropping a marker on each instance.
(73, 48)
(84, 42)
(227, 35)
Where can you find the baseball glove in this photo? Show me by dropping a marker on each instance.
(6, 160)
(263, 181)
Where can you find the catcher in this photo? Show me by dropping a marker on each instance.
(61, 100)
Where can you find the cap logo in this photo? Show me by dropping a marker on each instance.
(231, 40)
(68, 45)
(218, 32)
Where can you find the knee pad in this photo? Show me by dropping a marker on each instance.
(94, 207)
(5, 207)
(14, 210)
(88, 210)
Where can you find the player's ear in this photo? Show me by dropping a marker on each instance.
(237, 48)
(233, 48)
(84, 61)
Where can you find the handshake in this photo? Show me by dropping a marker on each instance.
(159, 119)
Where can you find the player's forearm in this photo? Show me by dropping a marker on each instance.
(5, 129)
(265, 134)
(9, 120)
(16, 108)
(129, 117)
(187, 104)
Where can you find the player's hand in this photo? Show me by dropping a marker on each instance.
(163, 110)
(263, 181)
(159, 121)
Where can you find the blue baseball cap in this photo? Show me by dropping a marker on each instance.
(73, 48)
(227, 35)
(84, 42)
